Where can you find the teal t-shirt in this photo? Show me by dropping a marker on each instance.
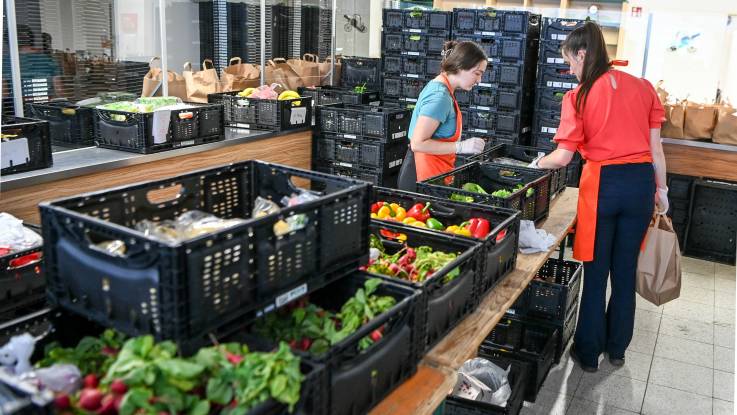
(435, 102)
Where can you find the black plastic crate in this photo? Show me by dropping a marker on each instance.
(550, 53)
(508, 22)
(517, 379)
(413, 65)
(712, 229)
(544, 141)
(411, 87)
(361, 72)
(385, 157)
(22, 282)
(392, 87)
(180, 290)
(68, 123)
(557, 29)
(129, 131)
(415, 19)
(326, 95)
(552, 293)
(265, 114)
(499, 152)
(367, 174)
(549, 99)
(25, 145)
(392, 64)
(575, 168)
(679, 211)
(513, 74)
(556, 76)
(432, 66)
(464, 20)
(359, 379)
(502, 48)
(396, 103)
(533, 198)
(445, 304)
(680, 187)
(496, 122)
(546, 122)
(393, 19)
(438, 20)
(418, 20)
(497, 98)
(392, 42)
(371, 122)
(499, 248)
(525, 341)
(462, 96)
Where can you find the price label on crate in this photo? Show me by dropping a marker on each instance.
(413, 53)
(556, 60)
(298, 116)
(411, 75)
(349, 136)
(399, 135)
(14, 152)
(291, 295)
(395, 163)
(485, 85)
(414, 30)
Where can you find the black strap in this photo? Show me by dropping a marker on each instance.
(408, 173)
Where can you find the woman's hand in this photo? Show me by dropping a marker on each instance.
(661, 201)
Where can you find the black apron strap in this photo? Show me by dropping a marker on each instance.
(408, 173)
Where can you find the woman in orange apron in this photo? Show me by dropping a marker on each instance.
(435, 128)
(613, 119)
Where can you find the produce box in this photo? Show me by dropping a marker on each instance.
(22, 282)
(494, 184)
(369, 122)
(517, 379)
(509, 153)
(264, 114)
(361, 72)
(326, 95)
(68, 123)
(121, 129)
(25, 145)
(552, 293)
(366, 354)
(385, 158)
(100, 266)
(373, 175)
(446, 272)
(112, 367)
(499, 238)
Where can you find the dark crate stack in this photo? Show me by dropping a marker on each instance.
(412, 41)
(500, 106)
(365, 142)
(712, 223)
(680, 192)
(553, 79)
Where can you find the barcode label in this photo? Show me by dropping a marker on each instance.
(413, 53)
(483, 108)
(349, 136)
(344, 164)
(558, 84)
(414, 31)
(399, 134)
(395, 163)
(488, 33)
(485, 85)
(291, 295)
(411, 75)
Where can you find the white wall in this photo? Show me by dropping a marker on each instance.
(353, 43)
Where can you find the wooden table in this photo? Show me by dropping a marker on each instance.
(436, 375)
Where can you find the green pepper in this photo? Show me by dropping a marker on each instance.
(474, 188)
(461, 198)
(433, 223)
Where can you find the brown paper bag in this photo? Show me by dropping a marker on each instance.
(324, 68)
(659, 265)
(307, 68)
(725, 131)
(201, 83)
(280, 72)
(152, 84)
(700, 121)
(662, 93)
(238, 76)
(675, 116)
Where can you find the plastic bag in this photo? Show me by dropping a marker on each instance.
(186, 226)
(64, 378)
(533, 240)
(482, 380)
(115, 247)
(263, 207)
(16, 237)
(298, 199)
(15, 355)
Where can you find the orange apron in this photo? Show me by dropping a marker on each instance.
(429, 165)
(588, 199)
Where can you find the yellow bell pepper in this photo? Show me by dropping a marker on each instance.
(399, 213)
(374, 216)
(384, 212)
(452, 229)
(409, 220)
(394, 206)
(463, 231)
(418, 224)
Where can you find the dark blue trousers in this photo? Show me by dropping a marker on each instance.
(626, 203)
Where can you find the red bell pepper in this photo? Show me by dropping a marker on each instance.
(376, 206)
(420, 212)
(479, 228)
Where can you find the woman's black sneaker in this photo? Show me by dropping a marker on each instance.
(574, 356)
(618, 362)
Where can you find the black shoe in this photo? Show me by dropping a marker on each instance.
(618, 362)
(574, 356)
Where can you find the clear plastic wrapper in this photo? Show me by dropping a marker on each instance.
(482, 380)
(264, 207)
(187, 226)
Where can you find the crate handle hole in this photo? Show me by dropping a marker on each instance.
(164, 195)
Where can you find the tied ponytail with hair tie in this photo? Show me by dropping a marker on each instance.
(459, 56)
(590, 39)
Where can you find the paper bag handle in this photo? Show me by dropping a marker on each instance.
(151, 62)
(205, 62)
(278, 60)
(187, 67)
(312, 57)
(234, 59)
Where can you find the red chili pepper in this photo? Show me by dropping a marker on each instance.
(376, 206)
(420, 212)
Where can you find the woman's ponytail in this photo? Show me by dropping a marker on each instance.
(596, 62)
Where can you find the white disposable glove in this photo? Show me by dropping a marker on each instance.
(473, 145)
(661, 200)
(533, 163)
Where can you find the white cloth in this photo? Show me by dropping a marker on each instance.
(533, 240)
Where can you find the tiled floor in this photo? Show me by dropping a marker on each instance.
(681, 359)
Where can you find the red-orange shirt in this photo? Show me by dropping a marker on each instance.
(615, 123)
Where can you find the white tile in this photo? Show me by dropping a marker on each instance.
(723, 284)
(723, 359)
(689, 310)
(697, 266)
(687, 329)
(697, 280)
(647, 320)
(724, 299)
(697, 295)
(687, 351)
(724, 316)
(643, 304)
(724, 335)
(724, 385)
(547, 403)
(643, 341)
(563, 377)
(583, 407)
(612, 390)
(636, 366)
(722, 407)
(661, 400)
(682, 376)
(725, 271)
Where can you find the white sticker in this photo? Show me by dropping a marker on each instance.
(553, 130)
(488, 33)
(340, 163)
(558, 84)
(242, 125)
(160, 127)
(413, 53)
(187, 143)
(291, 295)
(485, 85)
(298, 116)
(569, 85)
(559, 60)
(395, 163)
(525, 129)
(483, 108)
(349, 136)
(511, 311)
(414, 31)
(14, 152)
(411, 75)
(411, 99)
(399, 134)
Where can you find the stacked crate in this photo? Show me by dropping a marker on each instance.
(412, 41)
(680, 193)
(365, 142)
(500, 106)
